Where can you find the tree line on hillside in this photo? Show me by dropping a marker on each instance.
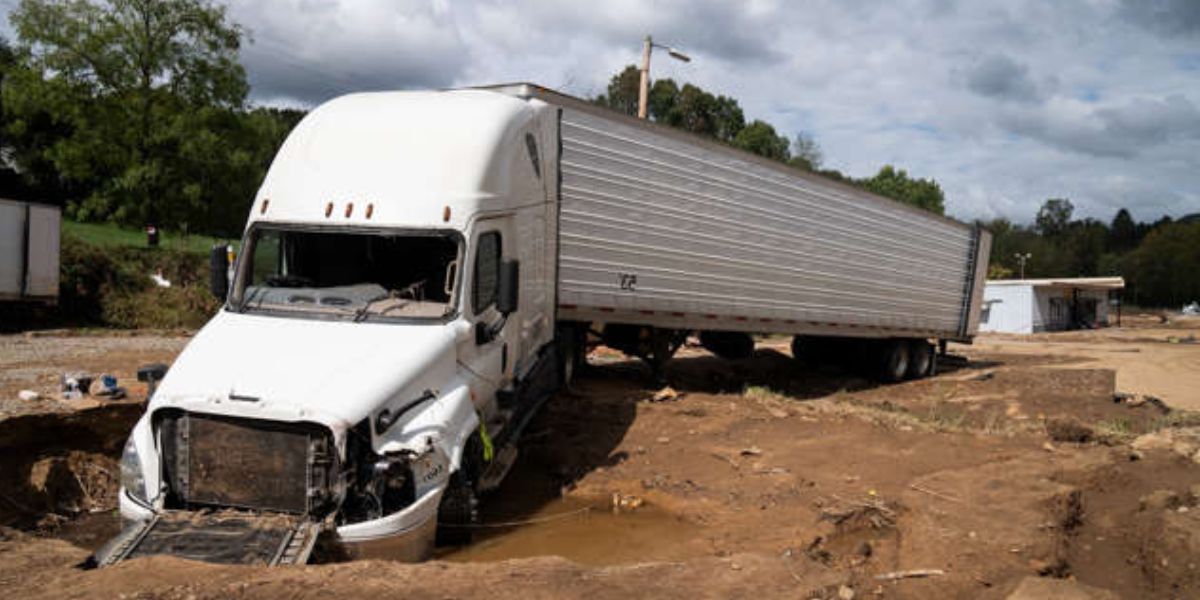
(1160, 261)
(692, 109)
(133, 112)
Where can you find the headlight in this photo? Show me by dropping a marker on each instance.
(131, 472)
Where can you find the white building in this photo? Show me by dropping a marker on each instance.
(1029, 305)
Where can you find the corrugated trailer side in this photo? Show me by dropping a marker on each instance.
(666, 229)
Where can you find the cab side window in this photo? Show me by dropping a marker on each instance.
(487, 272)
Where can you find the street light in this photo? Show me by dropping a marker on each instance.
(1022, 258)
(644, 88)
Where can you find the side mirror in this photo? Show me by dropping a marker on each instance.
(218, 264)
(510, 285)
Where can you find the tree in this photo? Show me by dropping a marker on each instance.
(1123, 235)
(806, 153)
(623, 91)
(1159, 270)
(760, 138)
(897, 185)
(130, 84)
(1053, 217)
(662, 98)
(1084, 246)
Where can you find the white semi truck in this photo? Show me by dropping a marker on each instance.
(419, 274)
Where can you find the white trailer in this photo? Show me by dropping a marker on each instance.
(29, 246)
(418, 275)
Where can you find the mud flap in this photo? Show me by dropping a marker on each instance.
(225, 536)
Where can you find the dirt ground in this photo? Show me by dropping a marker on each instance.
(1030, 467)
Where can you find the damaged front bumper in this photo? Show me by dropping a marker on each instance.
(406, 535)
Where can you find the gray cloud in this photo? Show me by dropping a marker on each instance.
(1174, 17)
(1123, 130)
(730, 31)
(999, 76)
(307, 51)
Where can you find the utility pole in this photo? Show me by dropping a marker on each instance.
(1022, 258)
(644, 84)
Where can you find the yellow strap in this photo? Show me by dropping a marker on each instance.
(488, 450)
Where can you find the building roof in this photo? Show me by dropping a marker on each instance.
(1082, 283)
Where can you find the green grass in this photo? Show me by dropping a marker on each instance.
(106, 235)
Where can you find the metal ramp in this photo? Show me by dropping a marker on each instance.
(220, 536)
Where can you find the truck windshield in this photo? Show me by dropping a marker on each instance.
(358, 276)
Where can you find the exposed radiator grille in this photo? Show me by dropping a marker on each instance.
(246, 463)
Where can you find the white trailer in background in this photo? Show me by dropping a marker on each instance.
(29, 246)
(419, 273)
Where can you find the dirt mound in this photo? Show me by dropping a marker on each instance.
(55, 467)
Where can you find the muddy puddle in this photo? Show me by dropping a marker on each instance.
(530, 516)
(587, 532)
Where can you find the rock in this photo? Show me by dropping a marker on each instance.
(751, 451)
(663, 440)
(845, 592)
(28, 395)
(1159, 500)
(1043, 588)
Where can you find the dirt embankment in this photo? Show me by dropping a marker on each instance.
(748, 478)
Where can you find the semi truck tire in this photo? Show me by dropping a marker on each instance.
(457, 513)
(572, 352)
(568, 356)
(920, 359)
(893, 360)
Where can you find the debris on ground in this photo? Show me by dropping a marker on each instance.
(913, 574)
(75, 385)
(666, 394)
(873, 512)
(625, 503)
(159, 280)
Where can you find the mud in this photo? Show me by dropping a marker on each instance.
(753, 478)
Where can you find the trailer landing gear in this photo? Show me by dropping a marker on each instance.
(653, 345)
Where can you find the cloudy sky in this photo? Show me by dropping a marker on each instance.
(1005, 103)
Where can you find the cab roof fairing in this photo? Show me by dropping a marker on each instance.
(408, 154)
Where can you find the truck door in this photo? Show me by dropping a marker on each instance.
(489, 357)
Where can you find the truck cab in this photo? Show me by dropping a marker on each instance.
(384, 338)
